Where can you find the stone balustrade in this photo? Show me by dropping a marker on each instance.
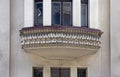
(60, 36)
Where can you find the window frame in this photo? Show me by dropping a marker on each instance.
(52, 13)
(35, 16)
(61, 9)
(60, 69)
(70, 14)
(85, 68)
(87, 3)
(37, 68)
(93, 14)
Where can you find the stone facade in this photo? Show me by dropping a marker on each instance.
(15, 62)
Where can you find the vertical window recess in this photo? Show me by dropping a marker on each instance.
(38, 15)
(62, 12)
(81, 73)
(37, 72)
(84, 13)
(60, 72)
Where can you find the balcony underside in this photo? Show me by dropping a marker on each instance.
(60, 42)
(61, 53)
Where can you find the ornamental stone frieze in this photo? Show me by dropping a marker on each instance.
(67, 37)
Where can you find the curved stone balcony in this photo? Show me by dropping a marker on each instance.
(61, 39)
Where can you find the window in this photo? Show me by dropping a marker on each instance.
(60, 72)
(84, 13)
(38, 17)
(81, 73)
(62, 12)
(37, 72)
(56, 13)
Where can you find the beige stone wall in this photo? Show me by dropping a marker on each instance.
(104, 22)
(4, 38)
(115, 38)
(20, 64)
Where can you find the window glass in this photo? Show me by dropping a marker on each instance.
(60, 72)
(84, 13)
(84, 1)
(38, 72)
(62, 12)
(38, 13)
(67, 13)
(65, 73)
(81, 73)
(56, 13)
(55, 73)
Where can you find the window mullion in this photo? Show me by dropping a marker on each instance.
(77, 13)
(46, 12)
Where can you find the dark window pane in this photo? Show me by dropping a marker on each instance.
(84, 15)
(59, 72)
(62, 0)
(62, 12)
(84, 1)
(81, 73)
(56, 13)
(38, 0)
(38, 13)
(65, 73)
(38, 72)
(55, 73)
(67, 13)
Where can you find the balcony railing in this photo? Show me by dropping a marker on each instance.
(60, 36)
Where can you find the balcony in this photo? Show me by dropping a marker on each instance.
(53, 42)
